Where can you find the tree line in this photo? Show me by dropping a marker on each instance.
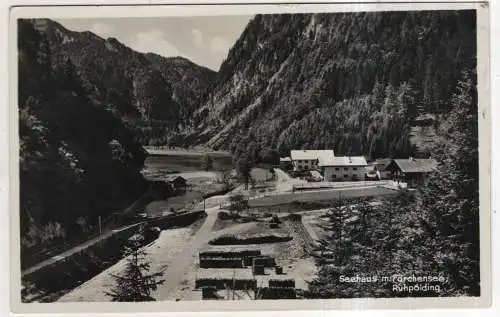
(434, 232)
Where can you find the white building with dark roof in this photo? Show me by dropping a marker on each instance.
(344, 168)
(411, 170)
(303, 160)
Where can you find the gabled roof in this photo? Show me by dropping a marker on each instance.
(413, 165)
(346, 161)
(320, 155)
(383, 161)
(171, 178)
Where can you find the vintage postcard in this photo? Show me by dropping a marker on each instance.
(250, 157)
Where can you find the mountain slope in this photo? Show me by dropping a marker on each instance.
(164, 91)
(78, 162)
(350, 81)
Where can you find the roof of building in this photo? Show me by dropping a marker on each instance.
(228, 248)
(413, 165)
(320, 155)
(383, 161)
(171, 178)
(346, 161)
(285, 159)
(216, 273)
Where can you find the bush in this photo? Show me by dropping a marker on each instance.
(222, 215)
(295, 217)
(257, 239)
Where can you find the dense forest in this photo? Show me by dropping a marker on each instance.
(77, 160)
(153, 95)
(432, 233)
(86, 107)
(354, 82)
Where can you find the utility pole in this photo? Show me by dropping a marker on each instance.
(234, 282)
(100, 226)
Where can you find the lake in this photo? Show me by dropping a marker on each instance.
(157, 166)
(190, 166)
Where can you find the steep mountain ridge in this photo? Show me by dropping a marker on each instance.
(164, 91)
(78, 161)
(350, 81)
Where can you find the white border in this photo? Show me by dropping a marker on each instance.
(484, 147)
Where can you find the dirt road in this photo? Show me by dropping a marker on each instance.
(182, 270)
(174, 273)
(74, 250)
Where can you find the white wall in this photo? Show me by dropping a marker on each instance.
(337, 173)
(299, 165)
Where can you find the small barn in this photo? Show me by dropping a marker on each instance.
(178, 183)
(286, 163)
(412, 170)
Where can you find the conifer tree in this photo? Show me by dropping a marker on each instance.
(135, 283)
(449, 202)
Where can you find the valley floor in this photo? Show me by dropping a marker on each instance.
(175, 252)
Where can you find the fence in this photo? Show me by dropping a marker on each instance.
(67, 272)
(334, 185)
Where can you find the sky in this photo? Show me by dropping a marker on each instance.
(204, 40)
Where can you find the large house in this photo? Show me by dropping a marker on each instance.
(411, 171)
(310, 159)
(344, 168)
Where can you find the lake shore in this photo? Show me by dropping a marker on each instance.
(152, 150)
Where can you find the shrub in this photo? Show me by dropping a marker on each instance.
(229, 254)
(222, 215)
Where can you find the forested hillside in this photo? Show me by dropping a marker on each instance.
(354, 82)
(77, 160)
(153, 95)
(434, 233)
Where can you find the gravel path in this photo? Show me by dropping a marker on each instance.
(162, 254)
(174, 274)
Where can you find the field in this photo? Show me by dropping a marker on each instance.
(319, 195)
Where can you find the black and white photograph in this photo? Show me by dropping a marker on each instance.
(275, 155)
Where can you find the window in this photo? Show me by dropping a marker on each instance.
(334, 176)
(346, 176)
(354, 168)
(346, 168)
(336, 168)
